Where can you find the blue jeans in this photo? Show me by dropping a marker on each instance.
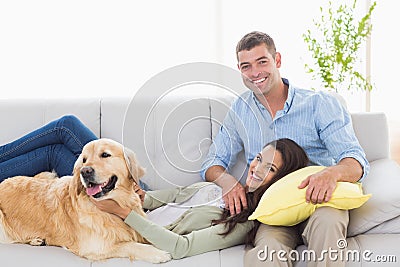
(55, 146)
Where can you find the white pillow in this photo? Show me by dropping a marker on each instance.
(383, 182)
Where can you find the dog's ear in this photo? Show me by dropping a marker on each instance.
(77, 185)
(136, 171)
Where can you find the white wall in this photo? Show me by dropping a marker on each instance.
(58, 48)
(96, 47)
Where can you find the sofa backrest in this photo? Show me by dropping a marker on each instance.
(20, 116)
(171, 139)
(169, 136)
(371, 129)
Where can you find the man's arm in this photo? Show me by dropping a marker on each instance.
(232, 191)
(321, 185)
(333, 123)
(337, 134)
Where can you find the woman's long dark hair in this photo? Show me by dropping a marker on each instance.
(294, 158)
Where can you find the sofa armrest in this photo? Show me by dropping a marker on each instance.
(383, 182)
(371, 130)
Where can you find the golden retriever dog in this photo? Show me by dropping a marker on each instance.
(45, 210)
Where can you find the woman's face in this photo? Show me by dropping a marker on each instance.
(263, 167)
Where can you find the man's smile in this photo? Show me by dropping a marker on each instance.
(259, 80)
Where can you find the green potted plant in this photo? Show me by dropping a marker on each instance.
(335, 45)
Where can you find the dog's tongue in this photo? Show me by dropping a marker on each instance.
(91, 191)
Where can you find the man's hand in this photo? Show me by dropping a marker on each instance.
(320, 186)
(234, 198)
(233, 192)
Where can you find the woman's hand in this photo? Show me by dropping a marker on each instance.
(140, 192)
(110, 206)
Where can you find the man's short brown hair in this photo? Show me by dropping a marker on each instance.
(254, 39)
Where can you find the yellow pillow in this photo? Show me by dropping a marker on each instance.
(285, 204)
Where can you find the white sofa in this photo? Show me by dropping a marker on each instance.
(171, 137)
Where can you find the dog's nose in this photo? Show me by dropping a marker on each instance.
(87, 172)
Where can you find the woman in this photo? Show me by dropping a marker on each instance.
(193, 227)
(53, 147)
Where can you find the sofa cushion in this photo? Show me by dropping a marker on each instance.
(383, 182)
(33, 256)
(374, 250)
(211, 258)
(229, 256)
(283, 203)
(389, 227)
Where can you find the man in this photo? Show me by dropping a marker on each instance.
(315, 120)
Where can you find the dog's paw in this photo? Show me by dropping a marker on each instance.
(161, 256)
(154, 255)
(37, 242)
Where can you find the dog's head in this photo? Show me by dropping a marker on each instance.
(105, 167)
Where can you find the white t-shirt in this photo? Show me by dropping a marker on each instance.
(210, 195)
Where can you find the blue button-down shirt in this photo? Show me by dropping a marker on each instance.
(315, 120)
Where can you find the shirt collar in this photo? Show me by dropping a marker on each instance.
(290, 96)
(289, 100)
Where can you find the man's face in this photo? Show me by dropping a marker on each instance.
(259, 69)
